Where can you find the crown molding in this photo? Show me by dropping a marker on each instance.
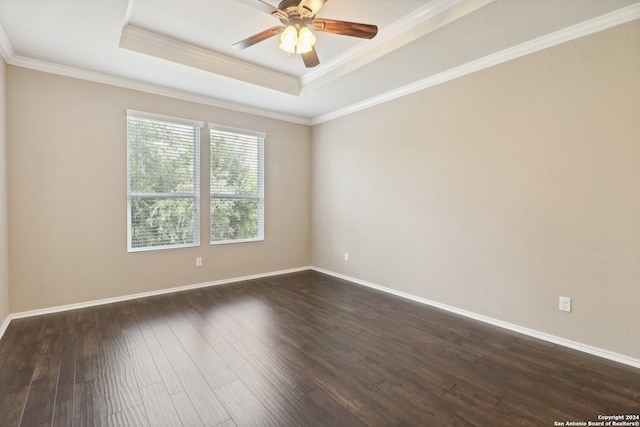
(160, 46)
(583, 29)
(600, 23)
(5, 47)
(430, 17)
(122, 82)
(435, 14)
(127, 14)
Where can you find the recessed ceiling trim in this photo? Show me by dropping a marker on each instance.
(160, 46)
(435, 14)
(92, 76)
(585, 28)
(600, 23)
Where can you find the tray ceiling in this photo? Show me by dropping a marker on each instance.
(183, 49)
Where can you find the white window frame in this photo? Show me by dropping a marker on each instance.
(197, 125)
(261, 136)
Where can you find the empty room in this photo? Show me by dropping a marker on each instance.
(319, 213)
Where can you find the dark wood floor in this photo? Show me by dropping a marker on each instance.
(302, 349)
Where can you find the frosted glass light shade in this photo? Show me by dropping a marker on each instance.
(306, 40)
(289, 39)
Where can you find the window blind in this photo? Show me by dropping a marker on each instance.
(237, 185)
(162, 181)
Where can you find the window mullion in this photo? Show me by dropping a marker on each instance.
(161, 195)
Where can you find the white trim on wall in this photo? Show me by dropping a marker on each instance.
(95, 303)
(609, 20)
(6, 50)
(595, 351)
(4, 325)
(154, 89)
(582, 29)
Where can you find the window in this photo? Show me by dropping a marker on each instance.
(237, 185)
(163, 157)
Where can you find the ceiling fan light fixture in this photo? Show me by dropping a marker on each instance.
(299, 18)
(306, 41)
(297, 41)
(289, 39)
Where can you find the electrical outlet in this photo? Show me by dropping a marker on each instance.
(346, 256)
(565, 304)
(199, 262)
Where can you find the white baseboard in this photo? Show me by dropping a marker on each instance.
(4, 325)
(606, 354)
(94, 303)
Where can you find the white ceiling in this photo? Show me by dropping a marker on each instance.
(182, 48)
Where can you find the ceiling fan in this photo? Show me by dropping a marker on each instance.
(298, 18)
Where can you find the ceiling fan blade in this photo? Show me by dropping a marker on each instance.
(257, 38)
(309, 8)
(265, 7)
(353, 29)
(311, 58)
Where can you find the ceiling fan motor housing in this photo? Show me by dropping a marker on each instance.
(294, 11)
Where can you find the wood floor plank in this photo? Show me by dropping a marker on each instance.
(344, 389)
(11, 335)
(300, 349)
(159, 406)
(142, 313)
(334, 413)
(185, 410)
(233, 333)
(426, 409)
(87, 346)
(117, 386)
(133, 416)
(169, 377)
(86, 406)
(243, 406)
(154, 318)
(18, 367)
(12, 405)
(144, 367)
(271, 389)
(202, 396)
(211, 335)
(44, 382)
(63, 408)
(212, 366)
(171, 313)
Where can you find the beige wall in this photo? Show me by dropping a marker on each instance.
(67, 196)
(498, 192)
(494, 193)
(4, 242)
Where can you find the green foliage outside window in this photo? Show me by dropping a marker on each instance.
(236, 187)
(163, 174)
(163, 184)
